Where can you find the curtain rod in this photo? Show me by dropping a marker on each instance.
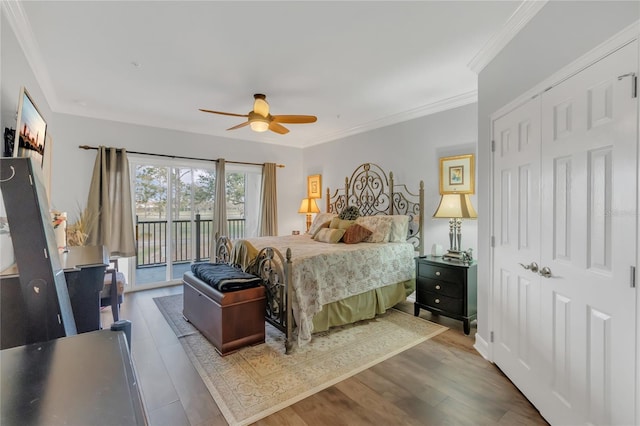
(180, 157)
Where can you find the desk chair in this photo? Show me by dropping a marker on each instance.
(112, 293)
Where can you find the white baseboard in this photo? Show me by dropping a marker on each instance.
(482, 347)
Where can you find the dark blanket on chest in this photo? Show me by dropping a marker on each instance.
(224, 277)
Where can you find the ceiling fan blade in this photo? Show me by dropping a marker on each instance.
(224, 113)
(260, 105)
(295, 119)
(275, 127)
(239, 125)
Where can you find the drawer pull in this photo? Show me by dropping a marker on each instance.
(437, 286)
(438, 273)
(437, 300)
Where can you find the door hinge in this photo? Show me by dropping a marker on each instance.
(493, 146)
(30, 180)
(491, 337)
(46, 255)
(493, 241)
(632, 277)
(634, 82)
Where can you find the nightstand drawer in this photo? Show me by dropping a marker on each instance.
(450, 305)
(445, 288)
(440, 273)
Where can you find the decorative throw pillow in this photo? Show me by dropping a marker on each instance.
(324, 225)
(380, 227)
(321, 220)
(350, 213)
(328, 235)
(399, 228)
(338, 223)
(355, 234)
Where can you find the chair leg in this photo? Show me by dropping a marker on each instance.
(114, 297)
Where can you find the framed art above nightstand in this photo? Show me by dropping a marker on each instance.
(457, 174)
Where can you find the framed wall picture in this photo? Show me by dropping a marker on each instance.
(30, 129)
(314, 186)
(457, 174)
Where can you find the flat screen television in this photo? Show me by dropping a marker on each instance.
(31, 129)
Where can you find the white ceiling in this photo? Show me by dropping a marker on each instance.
(355, 65)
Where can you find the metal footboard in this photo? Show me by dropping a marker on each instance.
(275, 272)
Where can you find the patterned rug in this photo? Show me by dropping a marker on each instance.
(259, 380)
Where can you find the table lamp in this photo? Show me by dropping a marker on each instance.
(308, 206)
(455, 207)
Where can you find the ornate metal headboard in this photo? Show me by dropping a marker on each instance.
(373, 193)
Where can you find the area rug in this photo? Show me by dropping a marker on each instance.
(259, 380)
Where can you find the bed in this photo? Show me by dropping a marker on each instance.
(333, 283)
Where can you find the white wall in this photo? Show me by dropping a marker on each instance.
(14, 73)
(411, 150)
(560, 33)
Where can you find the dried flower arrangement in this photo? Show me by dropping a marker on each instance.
(78, 232)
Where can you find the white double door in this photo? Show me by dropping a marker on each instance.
(565, 214)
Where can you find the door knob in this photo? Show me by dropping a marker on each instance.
(546, 272)
(533, 267)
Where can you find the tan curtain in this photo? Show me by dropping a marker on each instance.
(269, 213)
(220, 207)
(109, 203)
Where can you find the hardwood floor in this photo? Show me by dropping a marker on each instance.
(442, 381)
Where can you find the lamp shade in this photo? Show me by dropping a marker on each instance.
(455, 206)
(308, 205)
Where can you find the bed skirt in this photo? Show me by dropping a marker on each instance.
(362, 306)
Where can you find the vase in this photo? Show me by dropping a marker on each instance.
(60, 229)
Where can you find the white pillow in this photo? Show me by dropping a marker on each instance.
(399, 228)
(380, 227)
(322, 220)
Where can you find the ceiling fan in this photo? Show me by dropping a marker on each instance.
(260, 120)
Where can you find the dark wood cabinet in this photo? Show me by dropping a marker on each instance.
(86, 379)
(84, 269)
(447, 288)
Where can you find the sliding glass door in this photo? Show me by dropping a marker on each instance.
(174, 214)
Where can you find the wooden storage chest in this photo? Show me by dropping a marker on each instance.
(230, 320)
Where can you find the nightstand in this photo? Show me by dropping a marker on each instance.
(447, 288)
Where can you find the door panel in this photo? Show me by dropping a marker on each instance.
(561, 208)
(588, 166)
(565, 196)
(517, 225)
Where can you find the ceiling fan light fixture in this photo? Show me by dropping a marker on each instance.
(260, 120)
(260, 106)
(259, 125)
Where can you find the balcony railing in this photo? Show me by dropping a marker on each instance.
(191, 240)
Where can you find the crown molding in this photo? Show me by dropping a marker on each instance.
(22, 29)
(522, 15)
(432, 108)
(627, 35)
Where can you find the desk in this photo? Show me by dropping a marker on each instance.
(84, 269)
(86, 379)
